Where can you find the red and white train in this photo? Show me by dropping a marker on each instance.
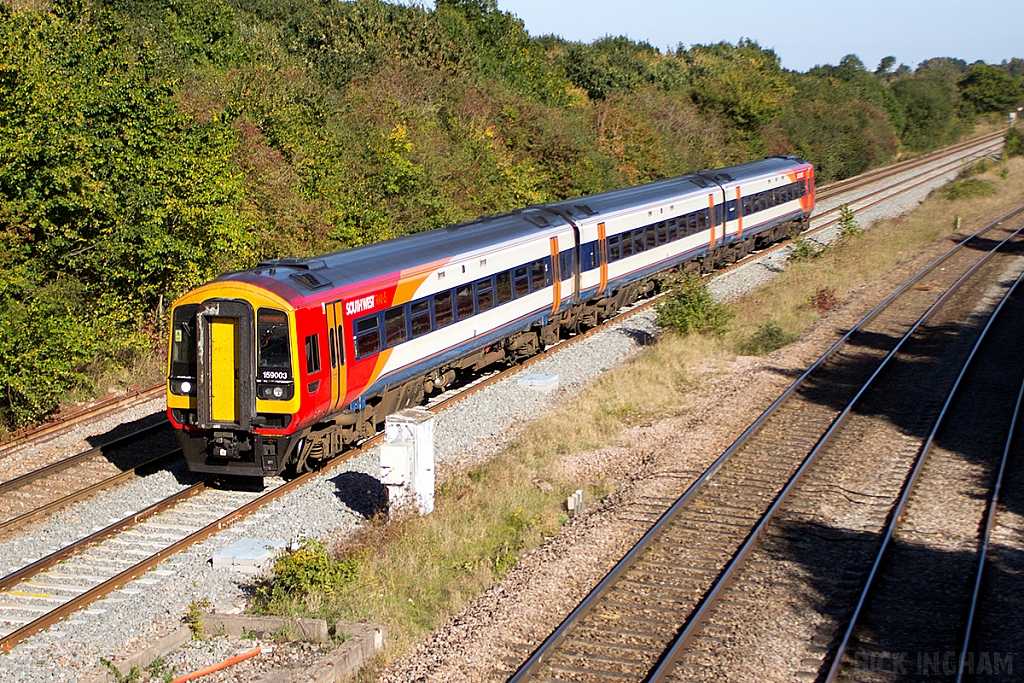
(284, 364)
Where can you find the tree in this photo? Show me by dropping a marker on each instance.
(928, 111)
(745, 82)
(885, 65)
(985, 89)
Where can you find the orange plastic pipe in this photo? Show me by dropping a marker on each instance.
(220, 665)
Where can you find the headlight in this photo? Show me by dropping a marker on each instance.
(183, 387)
(275, 392)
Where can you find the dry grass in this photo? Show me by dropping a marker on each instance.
(415, 573)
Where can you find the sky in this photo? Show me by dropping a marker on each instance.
(803, 33)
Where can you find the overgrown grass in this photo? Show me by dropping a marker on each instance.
(769, 337)
(805, 249)
(414, 573)
(965, 189)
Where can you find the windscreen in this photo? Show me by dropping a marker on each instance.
(274, 356)
(183, 341)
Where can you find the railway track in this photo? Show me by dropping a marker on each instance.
(33, 495)
(79, 581)
(918, 603)
(871, 177)
(55, 587)
(961, 153)
(675, 602)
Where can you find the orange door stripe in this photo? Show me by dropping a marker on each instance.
(711, 219)
(556, 276)
(739, 214)
(602, 254)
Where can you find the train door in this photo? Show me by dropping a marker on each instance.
(224, 360)
(336, 342)
(602, 249)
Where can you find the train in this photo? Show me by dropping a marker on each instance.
(284, 365)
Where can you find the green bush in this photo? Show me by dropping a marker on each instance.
(804, 249)
(768, 338)
(1014, 142)
(986, 88)
(300, 572)
(848, 225)
(965, 189)
(689, 308)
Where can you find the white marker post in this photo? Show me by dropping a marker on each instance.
(407, 459)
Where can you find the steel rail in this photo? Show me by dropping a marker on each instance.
(61, 465)
(878, 174)
(527, 669)
(933, 173)
(987, 537)
(700, 615)
(55, 558)
(66, 420)
(81, 494)
(896, 516)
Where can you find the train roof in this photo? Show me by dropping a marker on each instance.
(306, 277)
(664, 190)
(300, 278)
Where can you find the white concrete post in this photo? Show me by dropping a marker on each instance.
(407, 459)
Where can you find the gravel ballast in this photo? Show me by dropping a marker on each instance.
(469, 431)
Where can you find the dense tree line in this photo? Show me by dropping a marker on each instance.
(147, 145)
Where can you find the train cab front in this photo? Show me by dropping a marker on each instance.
(230, 385)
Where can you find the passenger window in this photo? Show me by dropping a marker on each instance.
(419, 317)
(663, 237)
(588, 253)
(652, 236)
(614, 253)
(484, 295)
(313, 354)
(395, 331)
(443, 314)
(627, 244)
(464, 301)
(367, 336)
(565, 264)
(522, 280)
(638, 240)
(537, 275)
(504, 286)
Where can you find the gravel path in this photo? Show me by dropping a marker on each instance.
(469, 431)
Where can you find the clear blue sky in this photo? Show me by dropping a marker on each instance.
(802, 32)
